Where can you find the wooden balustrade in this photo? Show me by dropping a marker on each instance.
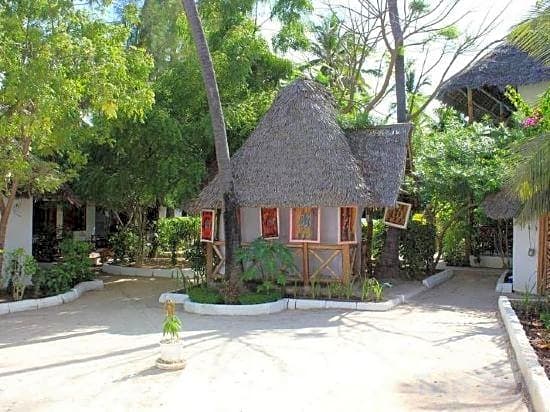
(307, 251)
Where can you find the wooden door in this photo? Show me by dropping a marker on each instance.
(543, 278)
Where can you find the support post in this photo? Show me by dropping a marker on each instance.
(346, 263)
(305, 262)
(470, 105)
(209, 260)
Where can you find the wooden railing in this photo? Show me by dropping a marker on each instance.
(306, 251)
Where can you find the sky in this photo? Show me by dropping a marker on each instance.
(514, 11)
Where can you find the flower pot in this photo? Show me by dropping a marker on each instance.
(171, 351)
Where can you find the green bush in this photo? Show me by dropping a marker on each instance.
(202, 294)
(253, 298)
(417, 247)
(454, 246)
(196, 256)
(378, 236)
(125, 244)
(74, 267)
(268, 262)
(19, 269)
(178, 232)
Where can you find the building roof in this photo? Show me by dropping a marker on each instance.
(298, 156)
(487, 77)
(501, 205)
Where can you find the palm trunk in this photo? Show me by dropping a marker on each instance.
(231, 224)
(388, 264)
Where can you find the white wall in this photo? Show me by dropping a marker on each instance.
(19, 234)
(531, 92)
(525, 266)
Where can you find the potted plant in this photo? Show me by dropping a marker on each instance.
(171, 349)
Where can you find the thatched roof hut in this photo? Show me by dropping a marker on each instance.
(488, 77)
(298, 156)
(501, 205)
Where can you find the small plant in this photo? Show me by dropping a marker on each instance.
(267, 262)
(313, 287)
(333, 289)
(372, 289)
(172, 324)
(545, 319)
(18, 272)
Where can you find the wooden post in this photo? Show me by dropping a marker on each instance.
(209, 260)
(501, 112)
(305, 262)
(470, 106)
(346, 263)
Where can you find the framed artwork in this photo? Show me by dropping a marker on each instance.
(398, 216)
(269, 222)
(305, 224)
(208, 218)
(347, 217)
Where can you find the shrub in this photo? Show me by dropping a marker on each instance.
(268, 262)
(74, 267)
(196, 256)
(178, 232)
(253, 298)
(417, 247)
(378, 235)
(454, 246)
(202, 294)
(172, 324)
(372, 289)
(125, 244)
(19, 268)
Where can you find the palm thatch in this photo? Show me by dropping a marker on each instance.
(381, 151)
(488, 78)
(298, 156)
(501, 205)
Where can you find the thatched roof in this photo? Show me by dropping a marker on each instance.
(299, 156)
(488, 78)
(381, 151)
(501, 205)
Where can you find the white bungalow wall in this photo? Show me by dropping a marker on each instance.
(19, 234)
(525, 266)
(251, 230)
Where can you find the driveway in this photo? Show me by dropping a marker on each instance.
(444, 351)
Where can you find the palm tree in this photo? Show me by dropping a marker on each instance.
(531, 177)
(533, 34)
(231, 224)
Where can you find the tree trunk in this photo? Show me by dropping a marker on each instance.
(6, 206)
(388, 264)
(231, 224)
(366, 262)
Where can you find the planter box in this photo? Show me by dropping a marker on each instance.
(69, 296)
(334, 304)
(438, 278)
(310, 304)
(536, 381)
(22, 305)
(235, 310)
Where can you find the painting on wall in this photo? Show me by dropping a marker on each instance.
(207, 225)
(398, 216)
(347, 217)
(269, 218)
(305, 224)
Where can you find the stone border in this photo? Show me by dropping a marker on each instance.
(503, 287)
(292, 304)
(34, 304)
(536, 381)
(438, 278)
(146, 272)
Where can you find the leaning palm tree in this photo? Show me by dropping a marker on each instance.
(231, 224)
(533, 34)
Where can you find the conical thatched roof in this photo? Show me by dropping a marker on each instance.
(488, 77)
(381, 151)
(299, 156)
(501, 205)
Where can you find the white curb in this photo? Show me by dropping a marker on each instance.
(538, 385)
(34, 304)
(503, 287)
(145, 272)
(438, 278)
(236, 310)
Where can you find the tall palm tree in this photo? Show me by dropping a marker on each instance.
(531, 177)
(231, 224)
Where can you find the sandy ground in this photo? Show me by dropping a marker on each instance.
(444, 351)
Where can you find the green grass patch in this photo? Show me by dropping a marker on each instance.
(253, 298)
(205, 295)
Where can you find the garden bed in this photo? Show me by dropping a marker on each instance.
(147, 271)
(537, 334)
